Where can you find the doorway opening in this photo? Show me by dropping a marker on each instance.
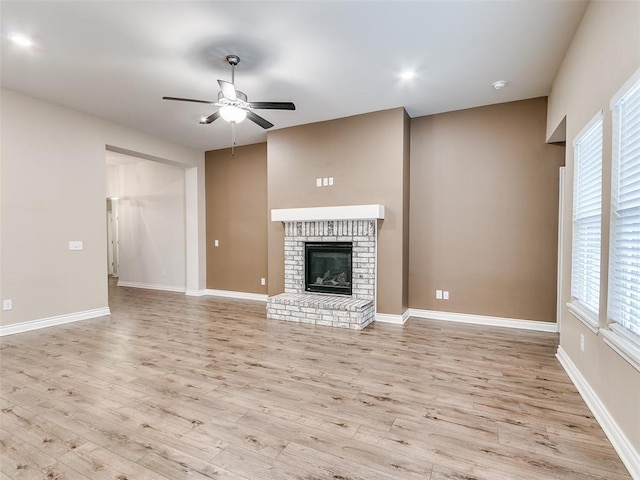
(146, 222)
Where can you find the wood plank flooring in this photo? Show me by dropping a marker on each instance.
(173, 387)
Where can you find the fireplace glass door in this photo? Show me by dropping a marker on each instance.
(328, 267)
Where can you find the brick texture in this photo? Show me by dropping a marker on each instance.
(354, 311)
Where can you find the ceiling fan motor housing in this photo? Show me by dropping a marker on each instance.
(240, 101)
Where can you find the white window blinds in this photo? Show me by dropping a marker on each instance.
(624, 302)
(587, 213)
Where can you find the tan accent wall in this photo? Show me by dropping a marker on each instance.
(484, 212)
(605, 52)
(365, 156)
(236, 195)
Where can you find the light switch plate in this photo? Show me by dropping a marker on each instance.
(75, 245)
(318, 182)
(216, 243)
(325, 181)
(330, 181)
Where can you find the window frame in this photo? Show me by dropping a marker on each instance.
(583, 311)
(619, 337)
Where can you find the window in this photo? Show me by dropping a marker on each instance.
(624, 278)
(587, 214)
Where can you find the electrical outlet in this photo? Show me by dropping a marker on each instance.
(439, 294)
(7, 304)
(581, 342)
(330, 181)
(263, 281)
(445, 295)
(325, 182)
(318, 182)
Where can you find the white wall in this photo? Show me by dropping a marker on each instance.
(151, 223)
(53, 190)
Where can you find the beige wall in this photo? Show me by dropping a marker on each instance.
(604, 53)
(365, 156)
(53, 191)
(151, 222)
(237, 217)
(484, 212)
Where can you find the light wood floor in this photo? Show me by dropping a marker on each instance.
(173, 387)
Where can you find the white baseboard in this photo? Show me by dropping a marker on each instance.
(151, 286)
(195, 293)
(52, 321)
(629, 456)
(485, 320)
(390, 318)
(261, 297)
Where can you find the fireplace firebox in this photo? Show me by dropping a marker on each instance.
(328, 267)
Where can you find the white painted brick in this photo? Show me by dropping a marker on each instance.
(361, 233)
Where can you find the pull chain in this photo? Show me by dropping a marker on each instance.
(233, 138)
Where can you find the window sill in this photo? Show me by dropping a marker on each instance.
(624, 347)
(584, 317)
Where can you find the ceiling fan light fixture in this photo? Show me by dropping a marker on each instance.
(233, 114)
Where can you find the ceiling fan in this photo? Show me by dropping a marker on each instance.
(234, 104)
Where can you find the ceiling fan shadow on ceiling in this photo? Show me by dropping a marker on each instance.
(234, 104)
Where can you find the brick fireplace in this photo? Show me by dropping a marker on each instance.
(354, 225)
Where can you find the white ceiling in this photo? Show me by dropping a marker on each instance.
(116, 59)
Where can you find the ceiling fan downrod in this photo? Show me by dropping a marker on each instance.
(233, 60)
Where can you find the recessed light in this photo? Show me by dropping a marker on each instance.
(21, 40)
(407, 75)
(499, 84)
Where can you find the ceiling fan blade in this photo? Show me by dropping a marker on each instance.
(208, 102)
(211, 118)
(228, 89)
(257, 119)
(273, 105)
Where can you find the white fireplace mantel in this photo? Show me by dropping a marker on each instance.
(346, 212)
